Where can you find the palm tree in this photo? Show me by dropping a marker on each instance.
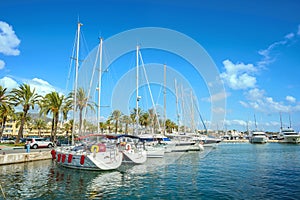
(6, 110)
(108, 125)
(127, 120)
(3, 96)
(145, 120)
(102, 126)
(68, 127)
(133, 116)
(27, 98)
(169, 125)
(39, 124)
(82, 102)
(52, 102)
(18, 117)
(116, 117)
(67, 106)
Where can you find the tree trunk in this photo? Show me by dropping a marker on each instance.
(55, 127)
(20, 132)
(3, 126)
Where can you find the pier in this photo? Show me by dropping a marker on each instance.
(17, 157)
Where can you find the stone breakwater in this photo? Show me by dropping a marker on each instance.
(24, 157)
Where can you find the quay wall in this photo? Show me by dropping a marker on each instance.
(24, 157)
(244, 140)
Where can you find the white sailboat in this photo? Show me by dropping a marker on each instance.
(130, 145)
(95, 152)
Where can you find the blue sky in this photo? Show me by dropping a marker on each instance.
(254, 44)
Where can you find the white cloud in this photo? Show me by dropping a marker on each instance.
(41, 87)
(219, 110)
(237, 76)
(216, 97)
(290, 99)
(2, 64)
(289, 36)
(236, 122)
(244, 104)
(8, 83)
(9, 42)
(262, 103)
(267, 53)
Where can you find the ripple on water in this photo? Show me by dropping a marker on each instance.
(231, 171)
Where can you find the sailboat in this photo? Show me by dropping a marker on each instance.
(94, 151)
(183, 142)
(131, 145)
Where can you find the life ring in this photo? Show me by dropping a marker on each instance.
(123, 143)
(128, 147)
(95, 148)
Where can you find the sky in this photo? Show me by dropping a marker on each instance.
(254, 45)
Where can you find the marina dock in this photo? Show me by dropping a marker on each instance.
(13, 158)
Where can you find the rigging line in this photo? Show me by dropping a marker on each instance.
(86, 48)
(197, 108)
(71, 62)
(151, 96)
(160, 92)
(91, 81)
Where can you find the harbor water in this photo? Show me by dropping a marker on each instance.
(229, 171)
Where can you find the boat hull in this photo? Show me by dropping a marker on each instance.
(96, 161)
(292, 139)
(258, 140)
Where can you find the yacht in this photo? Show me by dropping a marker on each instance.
(288, 135)
(258, 137)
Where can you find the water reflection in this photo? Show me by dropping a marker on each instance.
(232, 171)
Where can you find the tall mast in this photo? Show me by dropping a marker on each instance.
(177, 109)
(255, 122)
(182, 109)
(137, 89)
(99, 86)
(280, 121)
(192, 112)
(165, 93)
(290, 120)
(76, 80)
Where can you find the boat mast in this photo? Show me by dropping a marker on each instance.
(76, 80)
(99, 86)
(165, 92)
(182, 110)
(192, 112)
(177, 109)
(137, 90)
(280, 121)
(290, 120)
(255, 122)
